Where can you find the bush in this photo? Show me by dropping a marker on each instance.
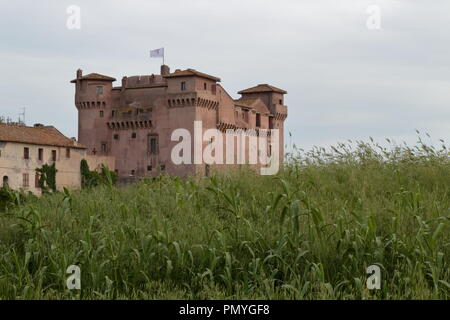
(308, 233)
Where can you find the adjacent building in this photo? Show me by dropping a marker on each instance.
(23, 149)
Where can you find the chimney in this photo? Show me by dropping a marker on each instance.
(165, 70)
(79, 73)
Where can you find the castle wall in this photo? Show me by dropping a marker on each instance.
(146, 108)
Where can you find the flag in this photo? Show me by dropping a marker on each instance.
(157, 53)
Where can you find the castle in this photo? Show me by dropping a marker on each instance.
(134, 122)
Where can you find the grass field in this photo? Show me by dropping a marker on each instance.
(308, 233)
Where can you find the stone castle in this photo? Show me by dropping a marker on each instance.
(134, 122)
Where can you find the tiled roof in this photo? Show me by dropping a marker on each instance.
(263, 88)
(45, 135)
(95, 76)
(255, 104)
(190, 73)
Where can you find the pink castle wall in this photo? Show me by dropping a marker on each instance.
(103, 117)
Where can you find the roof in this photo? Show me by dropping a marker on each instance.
(95, 76)
(45, 135)
(263, 88)
(191, 73)
(255, 104)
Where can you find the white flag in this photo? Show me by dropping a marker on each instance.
(157, 53)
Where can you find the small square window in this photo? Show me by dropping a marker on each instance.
(149, 168)
(116, 136)
(100, 90)
(281, 101)
(133, 135)
(132, 172)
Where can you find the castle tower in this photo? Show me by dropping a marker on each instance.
(93, 101)
(273, 98)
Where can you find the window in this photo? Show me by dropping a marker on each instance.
(163, 167)
(116, 136)
(53, 155)
(133, 135)
(37, 177)
(25, 178)
(132, 172)
(281, 101)
(67, 152)
(149, 168)
(100, 90)
(204, 86)
(113, 113)
(213, 89)
(270, 122)
(104, 147)
(153, 144)
(245, 115)
(40, 154)
(258, 120)
(5, 182)
(101, 113)
(26, 153)
(183, 86)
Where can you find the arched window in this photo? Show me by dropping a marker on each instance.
(5, 182)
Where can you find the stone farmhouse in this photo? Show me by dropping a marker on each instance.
(23, 149)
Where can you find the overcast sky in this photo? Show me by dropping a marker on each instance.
(344, 81)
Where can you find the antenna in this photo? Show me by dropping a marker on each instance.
(23, 116)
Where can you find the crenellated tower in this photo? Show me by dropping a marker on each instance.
(93, 101)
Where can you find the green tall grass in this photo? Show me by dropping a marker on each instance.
(308, 233)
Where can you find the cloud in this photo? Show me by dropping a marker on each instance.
(344, 81)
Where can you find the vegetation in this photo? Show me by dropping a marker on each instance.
(47, 177)
(91, 179)
(308, 233)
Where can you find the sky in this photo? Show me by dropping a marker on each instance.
(346, 78)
